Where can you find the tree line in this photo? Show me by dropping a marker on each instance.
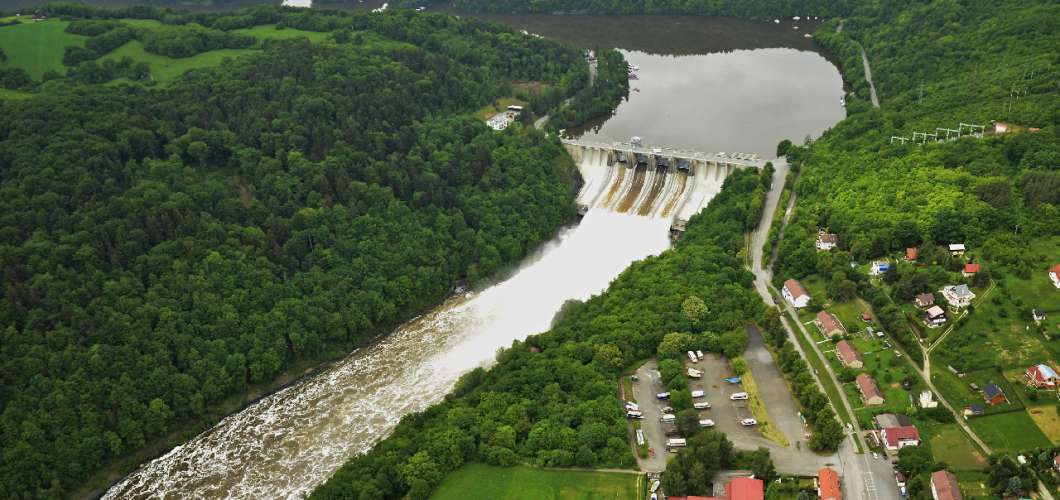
(162, 250)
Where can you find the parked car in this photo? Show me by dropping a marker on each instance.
(634, 414)
(703, 405)
(748, 422)
(667, 409)
(739, 396)
(698, 394)
(669, 417)
(663, 395)
(706, 422)
(699, 354)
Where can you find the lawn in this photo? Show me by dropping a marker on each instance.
(529, 483)
(37, 47)
(269, 31)
(166, 69)
(1012, 432)
(973, 485)
(1047, 420)
(950, 445)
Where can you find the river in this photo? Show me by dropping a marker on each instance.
(710, 84)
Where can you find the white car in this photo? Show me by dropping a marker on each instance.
(700, 354)
(706, 423)
(663, 395)
(702, 406)
(698, 394)
(739, 396)
(668, 417)
(748, 422)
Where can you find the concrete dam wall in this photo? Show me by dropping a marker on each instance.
(650, 182)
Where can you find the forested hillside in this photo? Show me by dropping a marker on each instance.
(164, 249)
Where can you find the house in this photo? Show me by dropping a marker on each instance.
(795, 294)
(910, 254)
(879, 268)
(896, 438)
(934, 317)
(927, 400)
(993, 395)
(958, 295)
(828, 484)
(866, 317)
(829, 324)
(870, 392)
(887, 420)
(957, 249)
(1042, 376)
(1054, 275)
(970, 269)
(925, 300)
(826, 241)
(738, 488)
(944, 486)
(974, 410)
(848, 355)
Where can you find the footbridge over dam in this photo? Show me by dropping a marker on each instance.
(649, 181)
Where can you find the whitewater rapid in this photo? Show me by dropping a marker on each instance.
(288, 443)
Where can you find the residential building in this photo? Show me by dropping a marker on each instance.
(737, 488)
(993, 395)
(1056, 463)
(925, 300)
(795, 294)
(944, 486)
(958, 296)
(974, 410)
(927, 400)
(829, 324)
(970, 269)
(910, 254)
(957, 249)
(1042, 376)
(828, 484)
(848, 355)
(879, 268)
(826, 241)
(896, 438)
(934, 317)
(886, 420)
(870, 392)
(1054, 275)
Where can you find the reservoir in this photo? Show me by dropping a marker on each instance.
(704, 84)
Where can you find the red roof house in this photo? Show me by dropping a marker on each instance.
(910, 254)
(848, 355)
(970, 269)
(745, 488)
(944, 486)
(795, 293)
(828, 484)
(1042, 376)
(1054, 275)
(896, 438)
(829, 324)
(870, 392)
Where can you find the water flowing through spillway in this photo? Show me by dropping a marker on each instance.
(288, 443)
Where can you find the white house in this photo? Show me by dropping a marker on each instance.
(927, 400)
(958, 295)
(935, 317)
(957, 248)
(795, 294)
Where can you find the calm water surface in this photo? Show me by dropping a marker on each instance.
(706, 84)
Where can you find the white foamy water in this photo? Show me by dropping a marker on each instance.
(290, 442)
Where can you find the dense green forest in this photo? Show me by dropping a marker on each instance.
(164, 249)
(552, 400)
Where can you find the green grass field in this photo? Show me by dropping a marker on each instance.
(269, 31)
(950, 445)
(528, 483)
(1048, 421)
(37, 47)
(166, 69)
(1009, 432)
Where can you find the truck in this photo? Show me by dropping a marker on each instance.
(674, 444)
(694, 373)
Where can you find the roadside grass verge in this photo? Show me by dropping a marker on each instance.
(1011, 432)
(529, 483)
(37, 47)
(758, 409)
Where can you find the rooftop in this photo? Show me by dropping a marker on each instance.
(795, 288)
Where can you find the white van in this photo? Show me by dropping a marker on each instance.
(698, 394)
(739, 396)
(706, 422)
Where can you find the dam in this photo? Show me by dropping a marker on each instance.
(667, 183)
